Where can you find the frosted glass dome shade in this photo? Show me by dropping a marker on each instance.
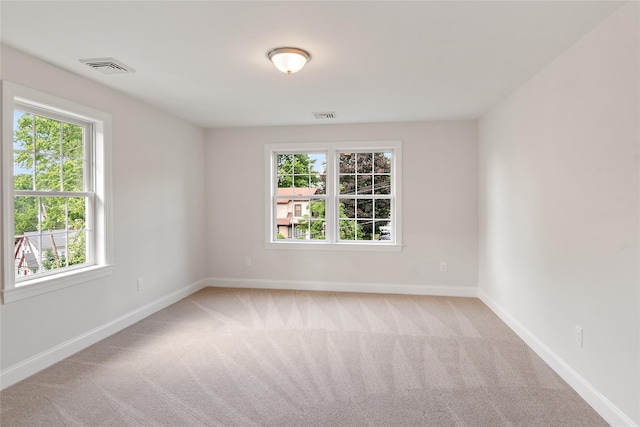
(289, 59)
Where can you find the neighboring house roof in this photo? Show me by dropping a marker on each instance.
(29, 258)
(285, 221)
(60, 239)
(295, 191)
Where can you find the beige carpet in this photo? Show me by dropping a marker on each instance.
(294, 358)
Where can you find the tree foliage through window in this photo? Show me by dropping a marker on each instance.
(49, 208)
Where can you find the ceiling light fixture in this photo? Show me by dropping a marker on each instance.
(289, 59)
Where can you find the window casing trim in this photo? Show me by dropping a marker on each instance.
(16, 96)
(331, 149)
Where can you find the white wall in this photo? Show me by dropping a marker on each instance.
(559, 209)
(440, 210)
(158, 187)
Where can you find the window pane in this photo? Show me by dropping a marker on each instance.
(348, 229)
(347, 163)
(284, 162)
(53, 212)
(47, 135)
(318, 162)
(321, 184)
(77, 249)
(285, 181)
(47, 172)
(365, 208)
(285, 170)
(383, 209)
(72, 141)
(286, 191)
(305, 181)
(382, 230)
(382, 162)
(77, 213)
(301, 230)
(73, 177)
(347, 184)
(317, 209)
(54, 250)
(365, 229)
(364, 162)
(27, 255)
(382, 184)
(22, 131)
(365, 184)
(298, 205)
(347, 208)
(22, 170)
(318, 230)
(25, 213)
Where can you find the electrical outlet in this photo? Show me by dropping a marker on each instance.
(247, 262)
(578, 335)
(140, 283)
(443, 267)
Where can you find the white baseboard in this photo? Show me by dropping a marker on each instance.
(377, 288)
(588, 392)
(34, 364)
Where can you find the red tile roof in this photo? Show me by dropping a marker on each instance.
(295, 191)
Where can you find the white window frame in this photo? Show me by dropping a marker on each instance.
(331, 149)
(13, 97)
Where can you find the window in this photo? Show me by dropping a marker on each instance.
(54, 193)
(334, 196)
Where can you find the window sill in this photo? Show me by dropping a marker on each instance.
(38, 286)
(324, 246)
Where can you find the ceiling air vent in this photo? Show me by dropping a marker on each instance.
(326, 115)
(108, 65)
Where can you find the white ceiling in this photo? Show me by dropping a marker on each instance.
(206, 61)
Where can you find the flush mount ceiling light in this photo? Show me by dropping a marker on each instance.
(289, 59)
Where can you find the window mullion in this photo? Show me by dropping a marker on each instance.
(33, 150)
(46, 193)
(88, 159)
(274, 197)
(66, 230)
(60, 152)
(330, 203)
(89, 230)
(40, 252)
